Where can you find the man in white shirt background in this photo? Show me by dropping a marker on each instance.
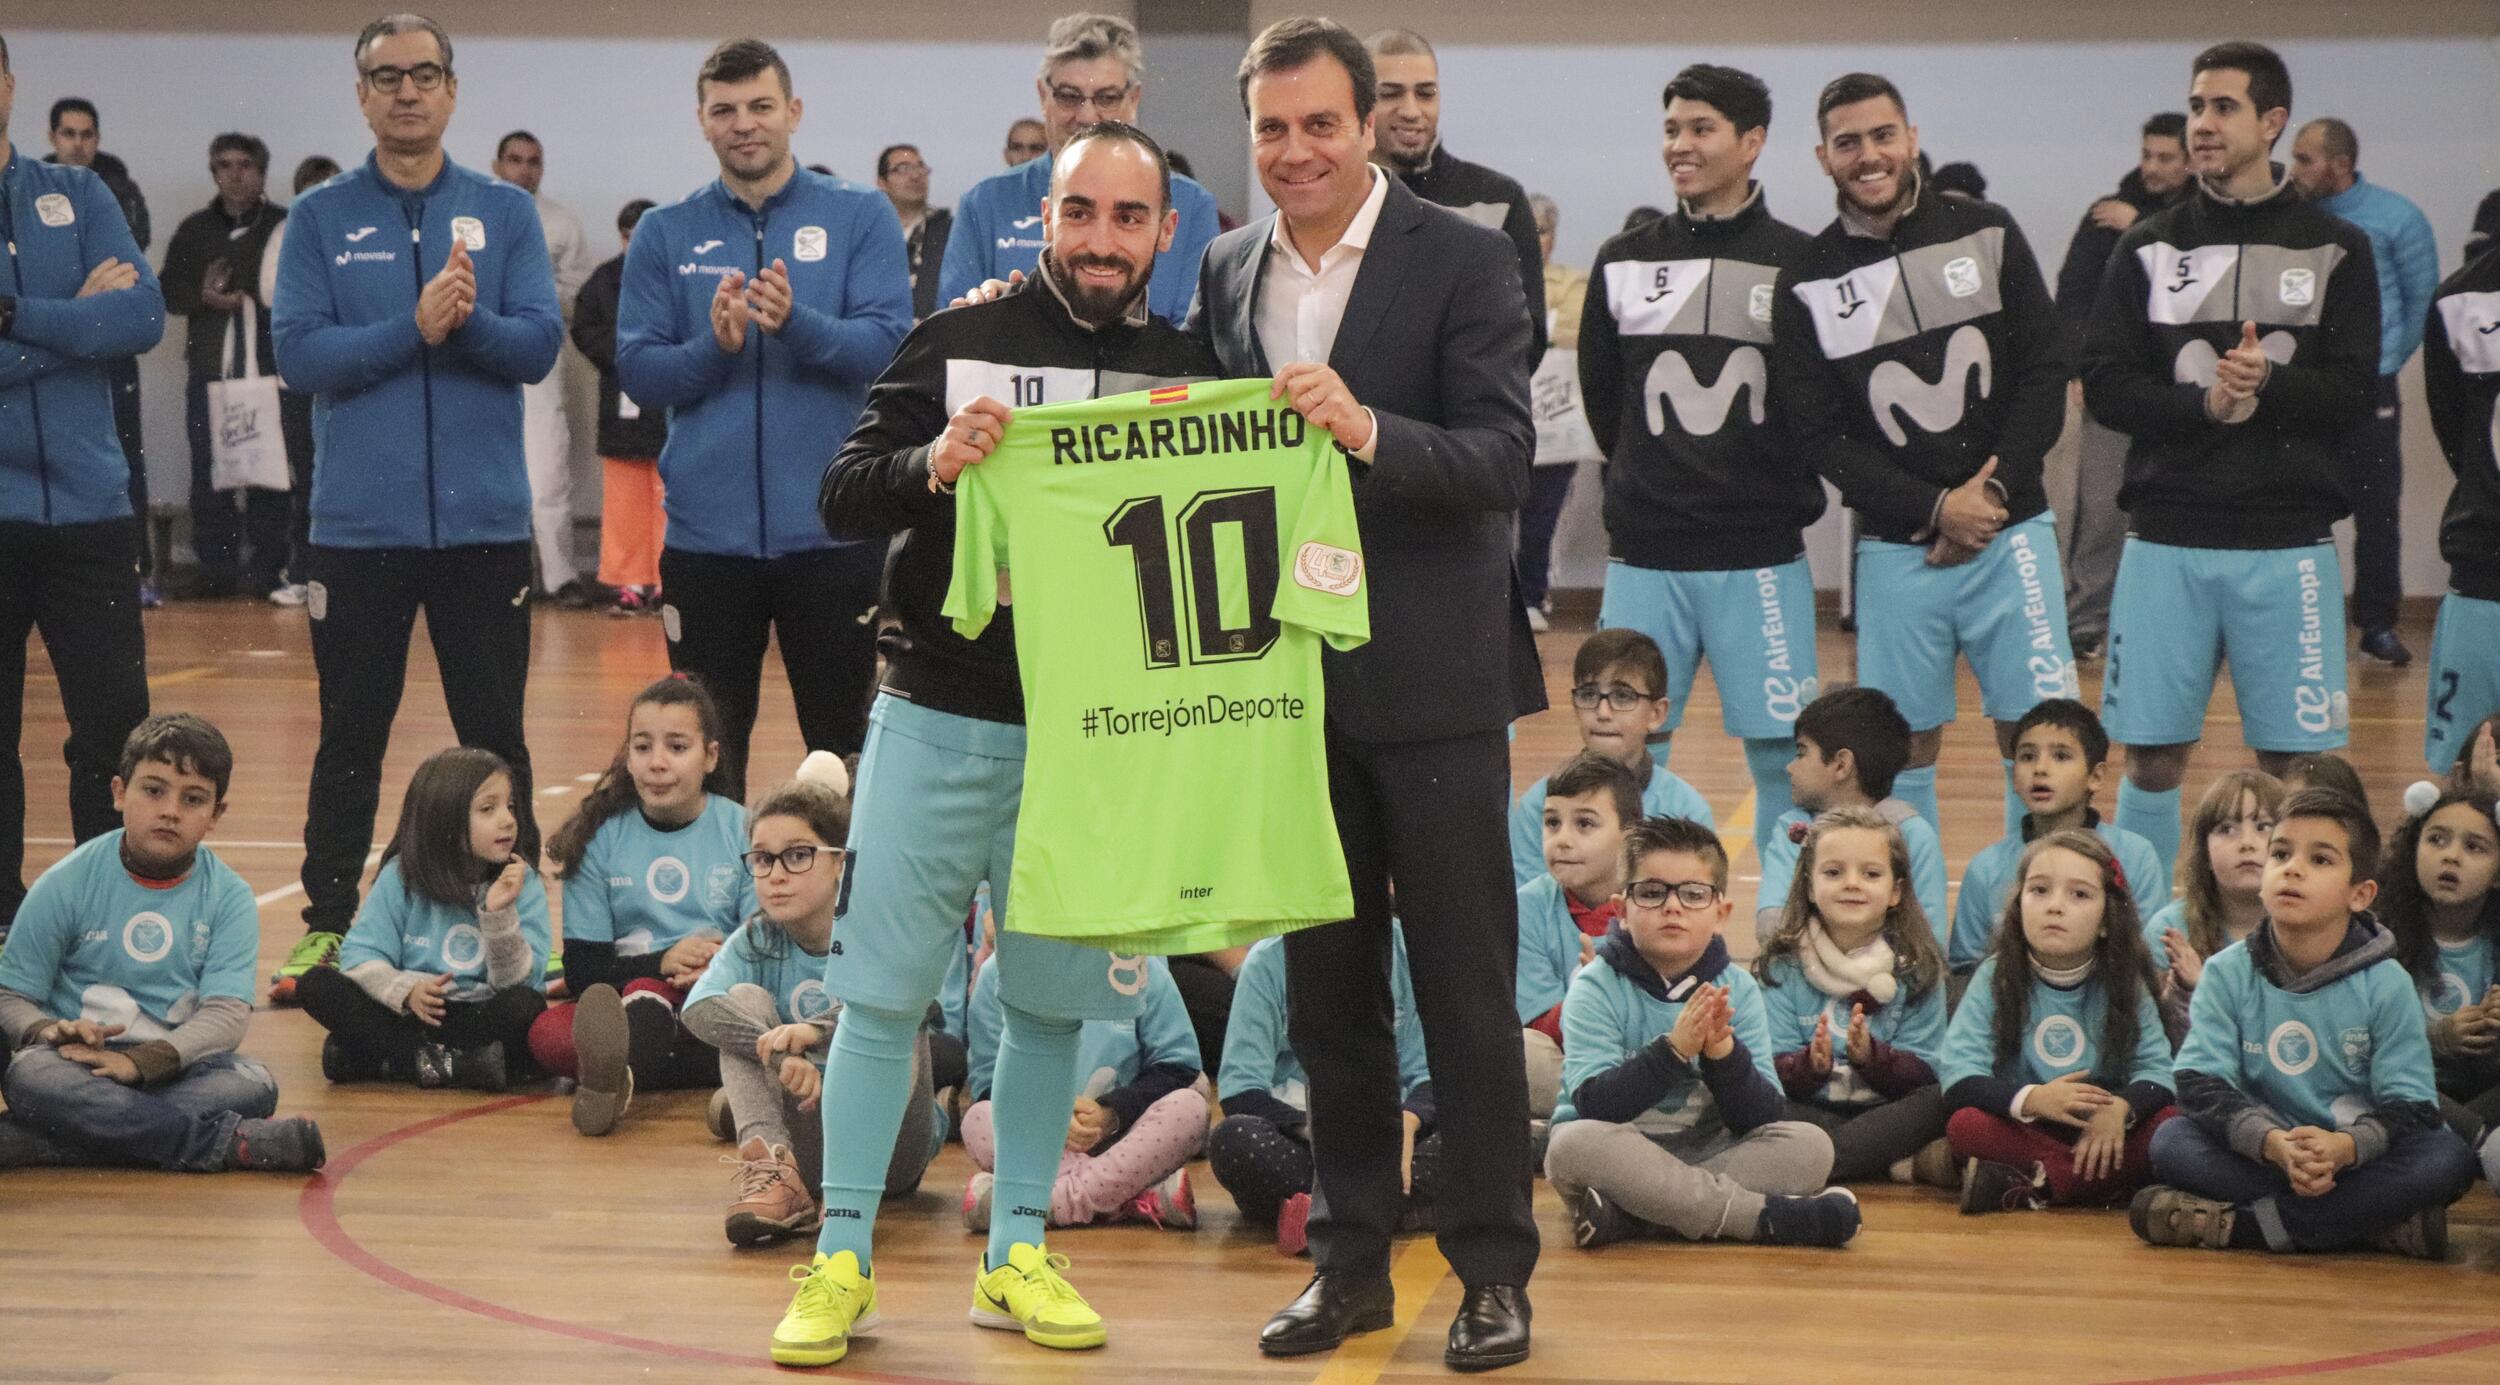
(546, 436)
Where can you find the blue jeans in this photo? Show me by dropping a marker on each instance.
(2423, 1170)
(187, 1125)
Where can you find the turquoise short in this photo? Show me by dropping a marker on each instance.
(2465, 676)
(1754, 625)
(2275, 615)
(2004, 610)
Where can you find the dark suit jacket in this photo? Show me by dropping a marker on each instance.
(1435, 343)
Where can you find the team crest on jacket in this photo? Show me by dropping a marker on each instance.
(53, 209)
(470, 231)
(808, 244)
(1758, 303)
(2298, 287)
(1961, 277)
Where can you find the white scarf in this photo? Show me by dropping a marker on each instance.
(2065, 979)
(1841, 974)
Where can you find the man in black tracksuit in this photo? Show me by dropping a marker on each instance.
(2461, 377)
(1916, 350)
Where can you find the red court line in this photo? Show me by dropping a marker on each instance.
(2445, 1346)
(318, 1210)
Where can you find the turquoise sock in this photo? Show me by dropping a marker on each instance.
(1767, 761)
(2154, 817)
(1917, 787)
(867, 1082)
(2014, 809)
(1030, 1100)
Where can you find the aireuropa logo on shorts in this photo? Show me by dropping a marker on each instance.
(1783, 694)
(2052, 673)
(2317, 707)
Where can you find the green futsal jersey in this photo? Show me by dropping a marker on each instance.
(1177, 555)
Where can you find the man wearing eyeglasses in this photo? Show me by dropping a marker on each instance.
(903, 176)
(1092, 70)
(415, 300)
(1027, 139)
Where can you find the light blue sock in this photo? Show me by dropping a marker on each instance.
(1767, 761)
(1917, 787)
(1030, 1100)
(867, 1082)
(2014, 809)
(2154, 817)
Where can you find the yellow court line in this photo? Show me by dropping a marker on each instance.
(1738, 833)
(1416, 1276)
(192, 674)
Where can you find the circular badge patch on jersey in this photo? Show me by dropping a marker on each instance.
(668, 880)
(148, 937)
(810, 1002)
(2292, 1048)
(463, 947)
(2448, 996)
(2058, 1042)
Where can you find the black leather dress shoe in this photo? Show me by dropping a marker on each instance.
(1331, 1309)
(1491, 1329)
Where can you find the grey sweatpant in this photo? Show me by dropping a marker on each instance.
(2098, 529)
(1699, 1188)
(763, 1109)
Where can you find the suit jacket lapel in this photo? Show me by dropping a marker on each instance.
(1245, 324)
(1376, 283)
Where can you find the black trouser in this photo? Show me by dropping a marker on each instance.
(1549, 488)
(379, 1035)
(720, 611)
(1259, 1164)
(2375, 474)
(1868, 1140)
(295, 426)
(222, 520)
(1207, 994)
(123, 376)
(74, 584)
(1429, 818)
(364, 609)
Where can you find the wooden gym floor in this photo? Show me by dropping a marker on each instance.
(457, 1238)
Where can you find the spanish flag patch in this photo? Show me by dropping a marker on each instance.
(1169, 394)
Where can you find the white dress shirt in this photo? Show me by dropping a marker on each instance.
(1300, 308)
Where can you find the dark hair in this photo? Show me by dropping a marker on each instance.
(1850, 88)
(2200, 897)
(1740, 96)
(2325, 769)
(2168, 125)
(523, 135)
(887, 154)
(250, 146)
(1961, 179)
(1642, 216)
(78, 104)
(825, 169)
(1288, 44)
(431, 843)
(1864, 722)
(1629, 650)
(402, 23)
(615, 792)
(1120, 132)
(630, 215)
(2361, 839)
(2404, 906)
(2066, 714)
(1589, 772)
(315, 170)
(738, 60)
(4, 52)
(2337, 136)
(2461, 772)
(2269, 81)
(188, 743)
(1180, 163)
(1650, 836)
(828, 815)
(2119, 961)
(1916, 959)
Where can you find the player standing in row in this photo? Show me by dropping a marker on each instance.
(1706, 503)
(1917, 358)
(756, 312)
(2236, 471)
(2461, 378)
(943, 772)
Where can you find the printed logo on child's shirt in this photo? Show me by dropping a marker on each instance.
(2448, 996)
(668, 880)
(2292, 1048)
(2058, 1042)
(148, 937)
(810, 1002)
(2355, 1043)
(464, 947)
(720, 885)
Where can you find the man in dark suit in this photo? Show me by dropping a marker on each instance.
(1401, 329)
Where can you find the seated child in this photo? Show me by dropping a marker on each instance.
(1570, 905)
(2325, 770)
(1853, 998)
(2313, 1121)
(1619, 694)
(2436, 897)
(1671, 1114)
(2055, 1068)
(1850, 744)
(127, 984)
(1261, 1151)
(2477, 768)
(2222, 866)
(442, 973)
(762, 1005)
(2061, 757)
(1139, 1117)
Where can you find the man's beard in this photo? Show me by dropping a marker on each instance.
(1904, 182)
(1401, 162)
(1100, 307)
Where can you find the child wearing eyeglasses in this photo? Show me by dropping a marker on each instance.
(1619, 693)
(762, 1004)
(1672, 1119)
(1851, 742)
(651, 882)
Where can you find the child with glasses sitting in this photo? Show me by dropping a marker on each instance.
(1619, 694)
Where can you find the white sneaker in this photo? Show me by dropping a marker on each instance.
(287, 594)
(1537, 621)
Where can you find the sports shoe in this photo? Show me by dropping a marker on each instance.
(1538, 621)
(719, 1119)
(1031, 1294)
(1829, 1218)
(1597, 1220)
(288, 594)
(150, 597)
(771, 1202)
(605, 1080)
(1988, 1186)
(1934, 1166)
(835, 1303)
(2382, 646)
(1168, 1204)
(556, 989)
(2423, 1236)
(280, 1144)
(318, 948)
(2164, 1216)
(480, 1069)
(1293, 1225)
(340, 1063)
(977, 1201)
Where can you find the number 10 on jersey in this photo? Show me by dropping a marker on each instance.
(1228, 621)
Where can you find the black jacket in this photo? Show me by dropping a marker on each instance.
(1024, 348)
(209, 236)
(2087, 258)
(116, 176)
(2461, 376)
(1700, 481)
(1907, 361)
(1434, 343)
(594, 332)
(1496, 200)
(926, 248)
(2180, 285)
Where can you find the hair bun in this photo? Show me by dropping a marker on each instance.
(2420, 797)
(826, 768)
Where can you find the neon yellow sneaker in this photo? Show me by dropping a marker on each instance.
(835, 1303)
(1030, 1294)
(314, 949)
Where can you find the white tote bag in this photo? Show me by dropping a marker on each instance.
(246, 446)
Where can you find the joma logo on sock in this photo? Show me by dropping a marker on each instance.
(1043, 1213)
(850, 1212)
